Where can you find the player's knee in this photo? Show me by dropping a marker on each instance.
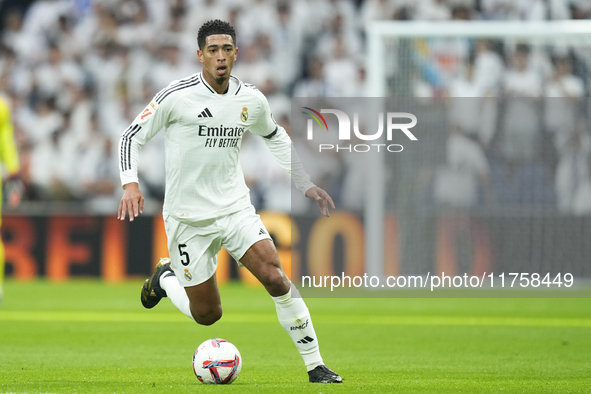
(272, 276)
(207, 317)
(275, 281)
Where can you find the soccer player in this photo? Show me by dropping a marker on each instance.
(9, 158)
(207, 204)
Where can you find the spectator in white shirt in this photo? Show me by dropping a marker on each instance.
(42, 18)
(573, 178)
(97, 175)
(563, 94)
(40, 124)
(338, 30)
(169, 66)
(488, 68)
(58, 77)
(514, 9)
(27, 46)
(106, 67)
(342, 71)
(522, 89)
(252, 67)
(433, 10)
(465, 173)
(54, 158)
(471, 110)
(372, 10)
(315, 84)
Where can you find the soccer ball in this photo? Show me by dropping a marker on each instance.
(217, 361)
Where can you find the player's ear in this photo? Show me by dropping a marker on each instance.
(236, 53)
(200, 55)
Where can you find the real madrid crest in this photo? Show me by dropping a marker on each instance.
(244, 114)
(188, 275)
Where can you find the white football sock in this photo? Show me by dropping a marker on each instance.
(295, 319)
(176, 293)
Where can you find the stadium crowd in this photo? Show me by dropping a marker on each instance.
(78, 71)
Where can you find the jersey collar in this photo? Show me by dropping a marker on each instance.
(233, 87)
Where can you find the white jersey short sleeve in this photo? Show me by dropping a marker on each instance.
(203, 132)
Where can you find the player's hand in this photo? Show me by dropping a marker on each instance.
(132, 202)
(322, 198)
(14, 190)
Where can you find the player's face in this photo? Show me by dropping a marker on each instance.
(218, 57)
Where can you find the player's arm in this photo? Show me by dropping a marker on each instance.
(144, 127)
(282, 148)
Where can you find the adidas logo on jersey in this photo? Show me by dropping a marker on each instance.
(262, 232)
(205, 114)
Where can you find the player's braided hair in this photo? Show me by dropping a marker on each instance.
(214, 27)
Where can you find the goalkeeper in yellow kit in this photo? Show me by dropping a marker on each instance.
(8, 160)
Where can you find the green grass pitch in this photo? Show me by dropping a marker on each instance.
(85, 336)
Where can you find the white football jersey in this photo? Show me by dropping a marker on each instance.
(203, 132)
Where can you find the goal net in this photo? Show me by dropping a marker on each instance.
(500, 177)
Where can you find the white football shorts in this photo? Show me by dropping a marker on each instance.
(193, 248)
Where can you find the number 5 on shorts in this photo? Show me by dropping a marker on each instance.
(183, 255)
